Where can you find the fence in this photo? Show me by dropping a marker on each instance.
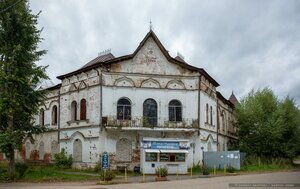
(220, 159)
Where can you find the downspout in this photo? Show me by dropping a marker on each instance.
(58, 117)
(199, 103)
(100, 120)
(218, 122)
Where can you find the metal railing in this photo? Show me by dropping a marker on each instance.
(159, 122)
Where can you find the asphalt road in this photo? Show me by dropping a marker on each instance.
(267, 179)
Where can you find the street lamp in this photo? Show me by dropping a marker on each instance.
(202, 148)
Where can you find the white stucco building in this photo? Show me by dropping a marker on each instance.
(145, 109)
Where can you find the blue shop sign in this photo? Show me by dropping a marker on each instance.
(165, 145)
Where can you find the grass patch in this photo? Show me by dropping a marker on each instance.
(49, 174)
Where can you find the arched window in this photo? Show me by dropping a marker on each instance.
(123, 109)
(54, 115)
(83, 109)
(42, 117)
(207, 113)
(150, 112)
(211, 116)
(175, 111)
(74, 111)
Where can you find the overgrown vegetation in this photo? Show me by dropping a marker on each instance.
(268, 127)
(62, 160)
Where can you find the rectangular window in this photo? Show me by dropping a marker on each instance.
(151, 156)
(163, 157)
(180, 157)
(168, 157)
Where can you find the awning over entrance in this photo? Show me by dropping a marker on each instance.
(166, 151)
(152, 150)
(174, 151)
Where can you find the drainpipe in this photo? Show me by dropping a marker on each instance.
(218, 122)
(100, 119)
(199, 103)
(58, 118)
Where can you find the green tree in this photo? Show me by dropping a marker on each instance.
(267, 126)
(19, 101)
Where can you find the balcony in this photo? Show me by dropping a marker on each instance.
(151, 124)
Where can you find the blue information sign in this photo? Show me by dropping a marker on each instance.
(105, 160)
(165, 145)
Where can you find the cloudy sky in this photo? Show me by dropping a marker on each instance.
(244, 45)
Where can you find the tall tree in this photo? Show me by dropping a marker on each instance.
(19, 101)
(268, 126)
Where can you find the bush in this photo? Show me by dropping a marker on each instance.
(205, 170)
(107, 175)
(21, 168)
(231, 169)
(161, 171)
(62, 160)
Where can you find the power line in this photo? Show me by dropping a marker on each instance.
(10, 6)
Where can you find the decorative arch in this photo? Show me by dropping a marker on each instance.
(73, 87)
(124, 82)
(73, 79)
(77, 133)
(65, 82)
(82, 85)
(93, 73)
(175, 84)
(83, 76)
(150, 83)
(124, 150)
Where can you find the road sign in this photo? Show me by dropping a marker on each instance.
(105, 160)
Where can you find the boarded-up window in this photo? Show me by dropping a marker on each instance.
(27, 150)
(124, 150)
(54, 148)
(83, 109)
(209, 146)
(41, 151)
(54, 115)
(74, 111)
(77, 150)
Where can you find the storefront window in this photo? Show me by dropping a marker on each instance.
(180, 157)
(151, 156)
(163, 157)
(171, 157)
